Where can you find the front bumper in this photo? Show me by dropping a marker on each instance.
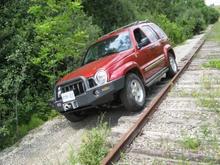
(92, 97)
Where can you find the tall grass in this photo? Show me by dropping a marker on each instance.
(215, 33)
(93, 147)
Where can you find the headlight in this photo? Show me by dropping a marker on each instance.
(101, 77)
(59, 92)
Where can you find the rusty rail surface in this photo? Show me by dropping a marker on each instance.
(135, 130)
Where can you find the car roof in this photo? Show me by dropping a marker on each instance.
(123, 29)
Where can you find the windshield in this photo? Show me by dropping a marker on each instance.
(109, 46)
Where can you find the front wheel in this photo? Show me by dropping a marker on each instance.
(74, 116)
(173, 68)
(133, 95)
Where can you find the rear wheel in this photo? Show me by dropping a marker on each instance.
(133, 95)
(74, 116)
(173, 68)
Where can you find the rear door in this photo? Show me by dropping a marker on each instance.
(163, 39)
(156, 48)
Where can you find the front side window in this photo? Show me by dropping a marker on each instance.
(109, 46)
(150, 33)
(140, 37)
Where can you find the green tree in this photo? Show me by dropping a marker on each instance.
(40, 41)
(62, 31)
(109, 14)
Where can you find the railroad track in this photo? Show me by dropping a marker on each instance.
(144, 142)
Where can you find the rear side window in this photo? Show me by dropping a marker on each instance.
(159, 31)
(150, 33)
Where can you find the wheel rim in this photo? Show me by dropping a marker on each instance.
(173, 64)
(137, 91)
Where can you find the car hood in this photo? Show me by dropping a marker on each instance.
(90, 69)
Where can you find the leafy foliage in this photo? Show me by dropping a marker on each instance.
(215, 63)
(62, 31)
(109, 14)
(93, 147)
(191, 143)
(40, 41)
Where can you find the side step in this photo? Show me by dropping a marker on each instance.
(155, 77)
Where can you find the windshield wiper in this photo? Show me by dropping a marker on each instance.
(91, 60)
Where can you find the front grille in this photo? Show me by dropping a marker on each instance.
(78, 87)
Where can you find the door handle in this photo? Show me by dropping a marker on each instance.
(155, 45)
(152, 46)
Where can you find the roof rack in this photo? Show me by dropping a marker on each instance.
(126, 26)
(131, 24)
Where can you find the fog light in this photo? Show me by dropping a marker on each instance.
(96, 92)
(67, 106)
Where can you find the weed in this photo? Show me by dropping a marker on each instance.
(205, 130)
(214, 63)
(184, 162)
(215, 33)
(208, 96)
(34, 122)
(180, 93)
(206, 82)
(93, 147)
(191, 143)
(123, 160)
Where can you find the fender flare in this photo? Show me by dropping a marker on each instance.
(124, 69)
(167, 48)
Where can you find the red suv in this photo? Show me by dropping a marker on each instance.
(116, 70)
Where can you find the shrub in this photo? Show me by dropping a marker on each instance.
(191, 143)
(172, 29)
(93, 147)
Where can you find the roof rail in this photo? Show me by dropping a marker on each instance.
(126, 26)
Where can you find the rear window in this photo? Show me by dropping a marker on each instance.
(150, 33)
(159, 31)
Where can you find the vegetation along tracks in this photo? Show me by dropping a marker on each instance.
(177, 133)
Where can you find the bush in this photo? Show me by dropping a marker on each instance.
(211, 15)
(34, 122)
(109, 14)
(93, 148)
(173, 30)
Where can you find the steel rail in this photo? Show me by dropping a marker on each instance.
(115, 153)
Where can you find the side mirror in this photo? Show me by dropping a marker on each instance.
(144, 42)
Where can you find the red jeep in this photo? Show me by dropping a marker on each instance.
(116, 69)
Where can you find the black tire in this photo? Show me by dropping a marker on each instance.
(128, 98)
(173, 68)
(74, 116)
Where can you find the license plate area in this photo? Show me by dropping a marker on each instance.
(68, 96)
